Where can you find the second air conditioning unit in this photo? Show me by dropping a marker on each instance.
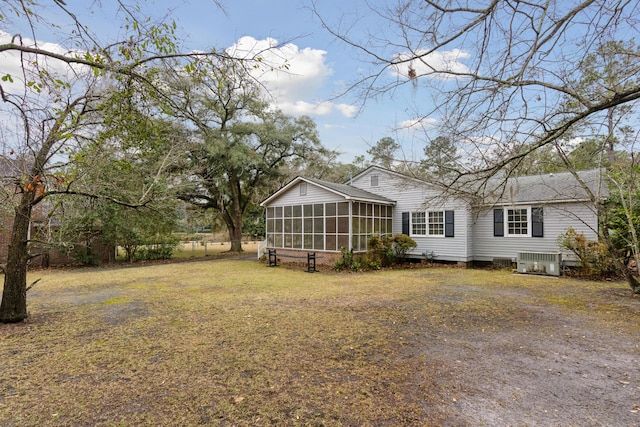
(539, 263)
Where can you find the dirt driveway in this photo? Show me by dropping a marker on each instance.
(549, 365)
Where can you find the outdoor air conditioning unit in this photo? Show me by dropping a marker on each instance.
(539, 263)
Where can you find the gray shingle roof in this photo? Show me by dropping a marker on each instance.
(348, 190)
(554, 187)
(345, 190)
(561, 186)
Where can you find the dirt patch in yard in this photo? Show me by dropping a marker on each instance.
(530, 364)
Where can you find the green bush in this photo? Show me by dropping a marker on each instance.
(380, 253)
(389, 250)
(383, 252)
(162, 249)
(346, 261)
(401, 245)
(85, 256)
(595, 260)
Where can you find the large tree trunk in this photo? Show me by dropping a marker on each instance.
(233, 216)
(14, 296)
(234, 226)
(235, 236)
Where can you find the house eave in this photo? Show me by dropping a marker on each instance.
(319, 185)
(380, 202)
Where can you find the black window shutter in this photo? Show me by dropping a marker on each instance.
(537, 222)
(405, 223)
(448, 223)
(498, 222)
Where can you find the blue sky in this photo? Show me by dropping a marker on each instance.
(321, 65)
(329, 64)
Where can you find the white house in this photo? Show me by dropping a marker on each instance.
(529, 213)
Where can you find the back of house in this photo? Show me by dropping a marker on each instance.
(518, 214)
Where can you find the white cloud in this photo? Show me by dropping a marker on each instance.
(438, 64)
(316, 109)
(303, 107)
(293, 76)
(18, 64)
(347, 110)
(420, 123)
(332, 126)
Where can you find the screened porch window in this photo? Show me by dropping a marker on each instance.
(327, 226)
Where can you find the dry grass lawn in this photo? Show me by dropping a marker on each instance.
(230, 342)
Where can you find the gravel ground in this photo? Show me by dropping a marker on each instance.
(549, 367)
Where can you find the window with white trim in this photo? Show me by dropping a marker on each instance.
(303, 188)
(435, 223)
(418, 223)
(523, 221)
(518, 221)
(429, 223)
(374, 180)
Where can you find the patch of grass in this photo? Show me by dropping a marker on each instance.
(567, 301)
(117, 300)
(235, 343)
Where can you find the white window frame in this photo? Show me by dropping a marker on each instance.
(440, 223)
(303, 188)
(411, 223)
(375, 180)
(506, 220)
(427, 222)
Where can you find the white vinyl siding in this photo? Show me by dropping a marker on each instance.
(414, 196)
(314, 194)
(557, 220)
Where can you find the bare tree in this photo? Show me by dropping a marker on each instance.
(53, 103)
(506, 77)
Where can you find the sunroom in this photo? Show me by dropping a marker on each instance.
(314, 215)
